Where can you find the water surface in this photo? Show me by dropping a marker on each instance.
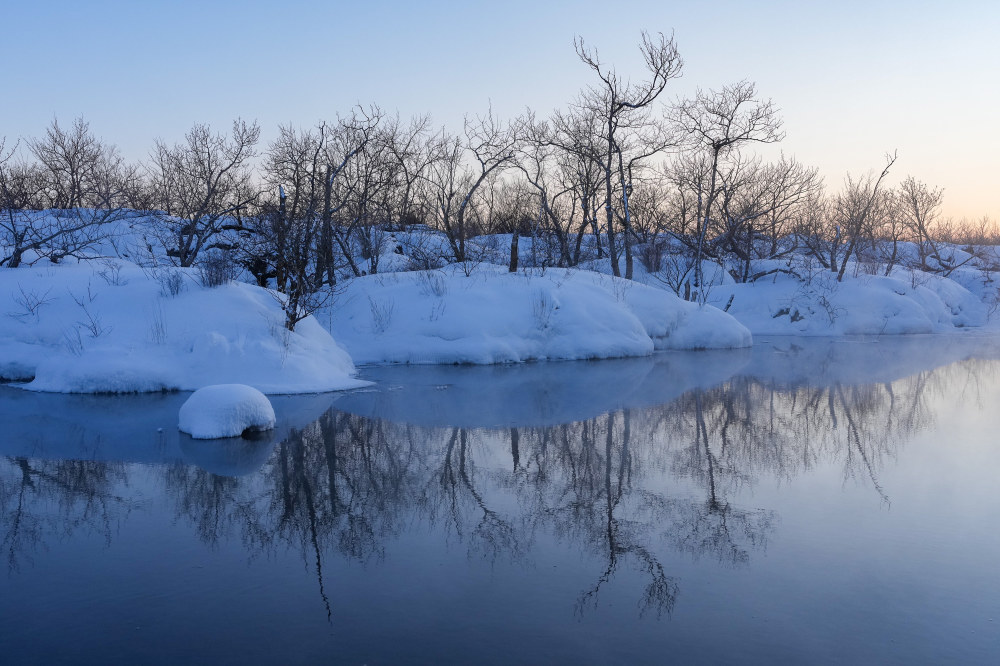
(804, 501)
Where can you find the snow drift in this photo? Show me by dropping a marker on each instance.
(484, 314)
(110, 327)
(902, 303)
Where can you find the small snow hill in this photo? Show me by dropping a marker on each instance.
(899, 304)
(483, 314)
(103, 326)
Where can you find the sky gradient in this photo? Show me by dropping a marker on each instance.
(854, 80)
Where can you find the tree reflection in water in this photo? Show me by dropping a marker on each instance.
(46, 499)
(349, 482)
(618, 484)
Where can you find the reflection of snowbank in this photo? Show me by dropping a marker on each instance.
(536, 393)
(143, 428)
(553, 393)
(136, 428)
(794, 361)
(229, 457)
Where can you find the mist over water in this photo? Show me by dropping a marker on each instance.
(820, 501)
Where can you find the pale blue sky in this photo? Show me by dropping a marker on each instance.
(853, 79)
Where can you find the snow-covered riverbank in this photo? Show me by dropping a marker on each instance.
(107, 325)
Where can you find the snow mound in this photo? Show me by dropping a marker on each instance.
(484, 315)
(111, 327)
(864, 305)
(225, 410)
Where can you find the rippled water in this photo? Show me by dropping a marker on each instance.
(804, 502)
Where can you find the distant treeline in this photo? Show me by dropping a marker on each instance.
(671, 185)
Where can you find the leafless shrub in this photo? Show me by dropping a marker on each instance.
(158, 326)
(171, 281)
(216, 269)
(381, 312)
(818, 291)
(437, 310)
(73, 341)
(431, 283)
(620, 287)
(30, 303)
(542, 307)
(112, 273)
(91, 322)
(676, 272)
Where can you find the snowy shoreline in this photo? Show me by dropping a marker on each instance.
(110, 326)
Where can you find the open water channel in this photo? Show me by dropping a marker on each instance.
(806, 501)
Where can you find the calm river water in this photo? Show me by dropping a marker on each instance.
(802, 502)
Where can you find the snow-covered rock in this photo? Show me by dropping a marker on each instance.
(139, 428)
(225, 410)
(484, 314)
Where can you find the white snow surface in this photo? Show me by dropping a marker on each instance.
(902, 303)
(483, 314)
(108, 326)
(78, 328)
(225, 410)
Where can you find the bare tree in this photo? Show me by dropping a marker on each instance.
(855, 209)
(368, 183)
(295, 239)
(411, 146)
(333, 201)
(791, 188)
(70, 160)
(61, 204)
(85, 185)
(626, 124)
(21, 187)
(349, 186)
(513, 208)
(757, 204)
(577, 135)
(538, 161)
(202, 186)
(719, 123)
(293, 169)
(980, 231)
(889, 232)
(919, 206)
(461, 169)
